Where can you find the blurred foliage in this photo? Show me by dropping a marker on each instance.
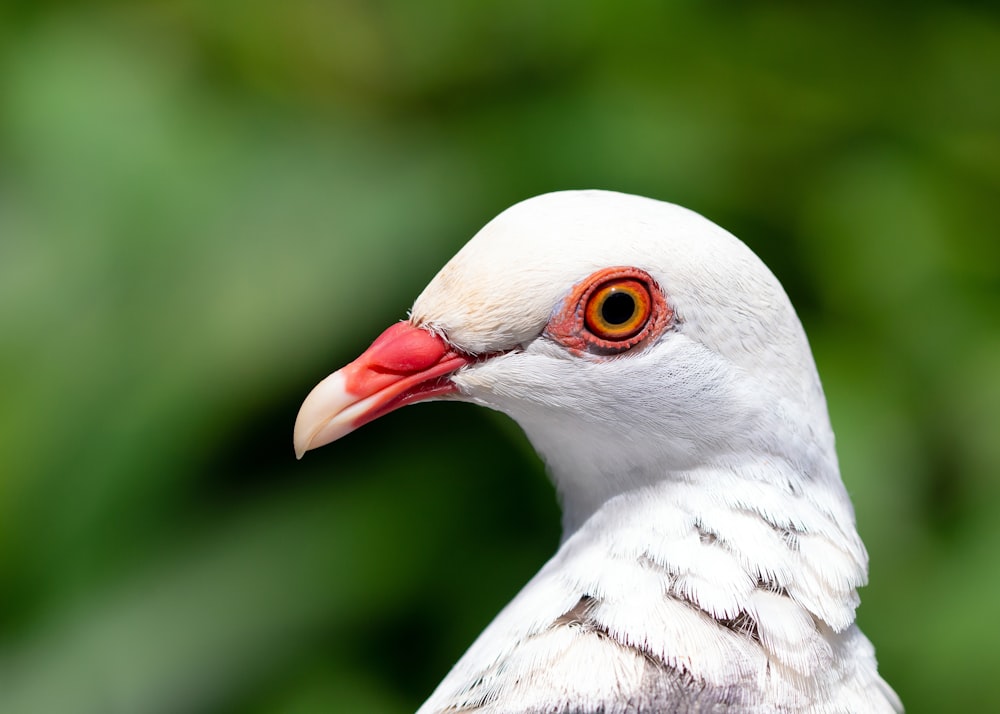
(206, 207)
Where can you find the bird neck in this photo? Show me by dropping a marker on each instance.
(744, 526)
(778, 454)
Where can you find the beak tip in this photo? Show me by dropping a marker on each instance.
(318, 412)
(300, 443)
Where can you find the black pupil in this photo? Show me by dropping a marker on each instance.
(618, 308)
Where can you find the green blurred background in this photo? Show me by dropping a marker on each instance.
(205, 207)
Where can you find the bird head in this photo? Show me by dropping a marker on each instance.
(633, 341)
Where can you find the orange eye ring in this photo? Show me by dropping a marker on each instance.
(618, 309)
(610, 312)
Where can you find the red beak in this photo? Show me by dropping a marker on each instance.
(405, 364)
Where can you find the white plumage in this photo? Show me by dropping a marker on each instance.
(710, 561)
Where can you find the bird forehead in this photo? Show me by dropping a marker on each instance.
(499, 290)
(488, 306)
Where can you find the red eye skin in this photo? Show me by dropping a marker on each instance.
(610, 312)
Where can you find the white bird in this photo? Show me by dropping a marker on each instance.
(709, 560)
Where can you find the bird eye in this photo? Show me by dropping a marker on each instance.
(617, 309)
(610, 312)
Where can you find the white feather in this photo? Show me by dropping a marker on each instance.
(710, 557)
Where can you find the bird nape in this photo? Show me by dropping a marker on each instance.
(709, 560)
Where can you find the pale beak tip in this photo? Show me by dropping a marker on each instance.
(318, 414)
(302, 438)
